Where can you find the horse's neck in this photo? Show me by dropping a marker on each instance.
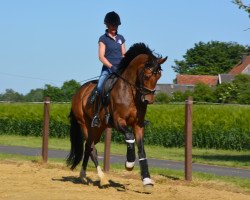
(126, 89)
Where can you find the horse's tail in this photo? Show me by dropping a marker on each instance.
(76, 140)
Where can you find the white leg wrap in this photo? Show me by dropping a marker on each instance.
(130, 164)
(130, 141)
(100, 172)
(147, 181)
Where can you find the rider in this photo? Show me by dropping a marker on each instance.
(111, 50)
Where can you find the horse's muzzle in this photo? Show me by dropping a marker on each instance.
(148, 99)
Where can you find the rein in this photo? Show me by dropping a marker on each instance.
(142, 89)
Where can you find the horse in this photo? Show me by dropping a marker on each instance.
(140, 69)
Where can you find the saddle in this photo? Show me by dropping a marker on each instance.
(104, 101)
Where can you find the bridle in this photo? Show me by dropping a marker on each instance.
(155, 68)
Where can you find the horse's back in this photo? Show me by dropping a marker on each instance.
(80, 98)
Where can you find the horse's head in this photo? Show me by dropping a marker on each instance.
(140, 58)
(148, 76)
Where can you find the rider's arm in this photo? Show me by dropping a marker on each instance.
(102, 55)
(123, 49)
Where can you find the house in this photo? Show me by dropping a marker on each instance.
(243, 67)
(184, 79)
(188, 82)
(169, 89)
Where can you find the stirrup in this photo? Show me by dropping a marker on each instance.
(93, 97)
(96, 122)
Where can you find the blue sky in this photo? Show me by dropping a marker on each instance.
(52, 41)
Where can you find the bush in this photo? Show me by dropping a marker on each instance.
(242, 83)
(226, 93)
(178, 96)
(203, 93)
(162, 98)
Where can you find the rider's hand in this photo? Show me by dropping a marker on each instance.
(111, 70)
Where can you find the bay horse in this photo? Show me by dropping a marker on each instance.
(140, 69)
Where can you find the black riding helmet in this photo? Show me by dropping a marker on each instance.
(112, 18)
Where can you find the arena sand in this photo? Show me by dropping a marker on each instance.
(32, 180)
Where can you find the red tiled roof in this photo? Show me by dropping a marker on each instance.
(240, 66)
(184, 79)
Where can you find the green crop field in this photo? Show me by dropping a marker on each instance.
(214, 126)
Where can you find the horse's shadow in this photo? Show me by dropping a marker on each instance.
(88, 181)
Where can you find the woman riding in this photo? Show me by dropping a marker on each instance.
(111, 50)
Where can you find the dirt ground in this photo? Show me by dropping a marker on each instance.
(27, 180)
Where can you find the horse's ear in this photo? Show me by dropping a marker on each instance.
(162, 60)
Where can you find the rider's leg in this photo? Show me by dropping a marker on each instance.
(103, 76)
(105, 72)
(98, 90)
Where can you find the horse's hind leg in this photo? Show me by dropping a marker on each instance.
(85, 162)
(94, 158)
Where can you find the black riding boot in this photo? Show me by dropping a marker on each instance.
(96, 122)
(92, 99)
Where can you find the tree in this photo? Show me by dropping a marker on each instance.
(69, 88)
(53, 92)
(242, 6)
(35, 95)
(64, 93)
(11, 95)
(210, 58)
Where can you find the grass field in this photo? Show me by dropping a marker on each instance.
(229, 158)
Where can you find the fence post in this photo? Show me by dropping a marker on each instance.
(188, 139)
(45, 129)
(106, 161)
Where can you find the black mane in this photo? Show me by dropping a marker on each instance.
(135, 50)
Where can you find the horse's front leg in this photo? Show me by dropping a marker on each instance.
(130, 141)
(145, 176)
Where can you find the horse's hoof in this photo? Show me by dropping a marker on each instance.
(148, 188)
(104, 183)
(148, 185)
(83, 177)
(129, 169)
(129, 166)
